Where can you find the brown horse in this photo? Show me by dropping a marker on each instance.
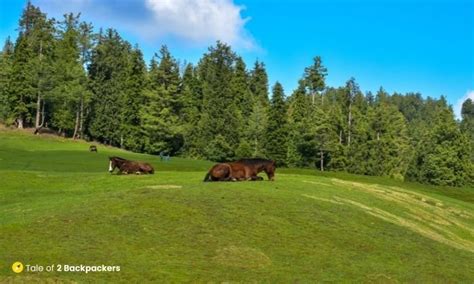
(126, 166)
(243, 169)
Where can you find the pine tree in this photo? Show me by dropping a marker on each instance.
(108, 72)
(389, 144)
(299, 116)
(241, 89)
(86, 44)
(191, 102)
(133, 99)
(255, 131)
(31, 66)
(219, 112)
(159, 114)
(351, 91)
(259, 83)
(276, 145)
(6, 60)
(70, 81)
(319, 140)
(467, 123)
(443, 152)
(314, 79)
(298, 119)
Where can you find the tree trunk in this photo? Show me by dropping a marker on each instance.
(38, 111)
(340, 136)
(19, 122)
(255, 152)
(38, 100)
(378, 135)
(321, 155)
(349, 122)
(81, 119)
(76, 125)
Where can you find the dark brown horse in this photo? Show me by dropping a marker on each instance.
(125, 166)
(243, 169)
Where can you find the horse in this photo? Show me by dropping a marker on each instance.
(126, 166)
(243, 169)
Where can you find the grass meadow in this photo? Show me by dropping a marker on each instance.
(59, 205)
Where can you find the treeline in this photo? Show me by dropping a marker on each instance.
(96, 86)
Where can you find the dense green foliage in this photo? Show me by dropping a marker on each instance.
(98, 87)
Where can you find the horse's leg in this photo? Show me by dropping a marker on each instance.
(254, 178)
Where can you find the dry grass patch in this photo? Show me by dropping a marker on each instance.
(164, 186)
(420, 213)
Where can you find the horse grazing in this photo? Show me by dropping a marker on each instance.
(125, 166)
(243, 169)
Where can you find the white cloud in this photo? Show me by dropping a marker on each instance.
(201, 20)
(194, 21)
(457, 108)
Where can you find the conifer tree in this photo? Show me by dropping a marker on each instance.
(389, 144)
(191, 102)
(70, 81)
(86, 44)
(241, 89)
(6, 59)
(467, 123)
(255, 131)
(133, 99)
(31, 66)
(159, 114)
(276, 146)
(259, 83)
(352, 88)
(314, 79)
(107, 72)
(219, 112)
(298, 119)
(443, 152)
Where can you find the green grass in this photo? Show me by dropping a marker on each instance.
(59, 205)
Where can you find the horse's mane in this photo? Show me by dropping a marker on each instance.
(118, 158)
(254, 161)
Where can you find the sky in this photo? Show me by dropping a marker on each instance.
(424, 46)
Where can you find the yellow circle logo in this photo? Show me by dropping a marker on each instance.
(17, 267)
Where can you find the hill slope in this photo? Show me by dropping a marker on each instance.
(59, 205)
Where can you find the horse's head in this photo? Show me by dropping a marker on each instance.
(112, 164)
(269, 169)
(115, 162)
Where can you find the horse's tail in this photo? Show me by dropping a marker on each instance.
(207, 177)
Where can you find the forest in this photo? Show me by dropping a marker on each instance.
(65, 76)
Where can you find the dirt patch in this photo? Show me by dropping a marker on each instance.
(242, 257)
(164, 186)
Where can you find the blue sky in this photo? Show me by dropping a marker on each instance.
(405, 46)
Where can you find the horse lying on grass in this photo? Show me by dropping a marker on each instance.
(243, 169)
(126, 167)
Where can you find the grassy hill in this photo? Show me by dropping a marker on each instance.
(59, 205)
